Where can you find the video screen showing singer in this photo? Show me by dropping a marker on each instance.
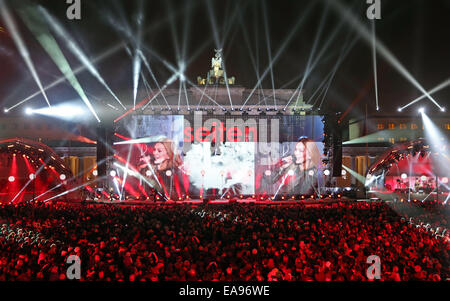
(297, 173)
(162, 166)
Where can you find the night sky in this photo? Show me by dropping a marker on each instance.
(417, 32)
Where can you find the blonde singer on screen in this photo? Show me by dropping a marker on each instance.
(298, 171)
(163, 165)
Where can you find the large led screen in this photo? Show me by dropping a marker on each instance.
(179, 156)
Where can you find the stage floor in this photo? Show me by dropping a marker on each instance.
(220, 202)
(392, 196)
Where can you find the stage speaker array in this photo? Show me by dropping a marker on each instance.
(337, 152)
(333, 136)
(103, 144)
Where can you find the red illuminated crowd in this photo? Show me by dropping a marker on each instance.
(222, 242)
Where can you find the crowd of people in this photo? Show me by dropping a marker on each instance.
(428, 212)
(217, 242)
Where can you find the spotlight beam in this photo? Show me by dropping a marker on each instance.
(374, 61)
(74, 189)
(136, 58)
(147, 101)
(308, 68)
(148, 89)
(172, 68)
(125, 174)
(269, 52)
(203, 93)
(98, 58)
(20, 44)
(26, 184)
(256, 59)
(320, 54)
(126, 30)
(328, 78)
(173, 30)
(177, 74)
(281, 185)
(219, 45)
(357, 176)
(297, 77)
(71, 179)
(213, 23)
(346, 14)
(281, 49)
(439, 87)
(185, 94)
(137, 174)
(180, 83)
(320, 86)
(186, 29)
(282, 87)
(40, 31)
(437, 139)
(227, 28)
(76, 50)
(79, 69)
(342, 56)
(322, 93)
(50, 190)
(149, 69)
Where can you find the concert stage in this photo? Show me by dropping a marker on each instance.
(196, 202)
(405, 196)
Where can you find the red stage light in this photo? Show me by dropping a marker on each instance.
(11, 179)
